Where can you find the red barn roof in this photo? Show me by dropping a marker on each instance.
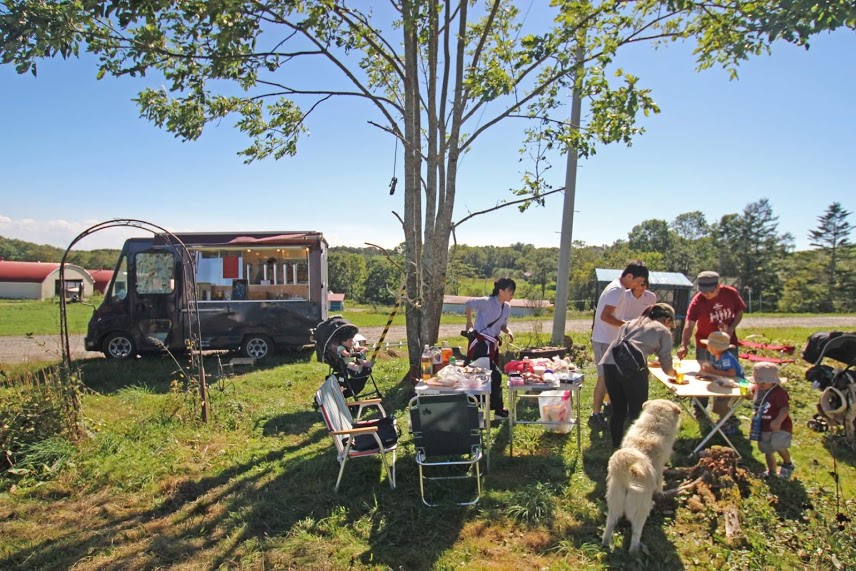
(102, 279)
(27, 272)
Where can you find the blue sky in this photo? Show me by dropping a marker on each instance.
(73, 152)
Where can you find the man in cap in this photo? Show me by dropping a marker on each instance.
(715, 307)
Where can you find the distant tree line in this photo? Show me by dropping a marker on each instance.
(21, 251)
(746, 248)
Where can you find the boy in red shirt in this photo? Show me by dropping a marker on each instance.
(772, 405)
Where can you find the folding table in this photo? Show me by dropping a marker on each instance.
(696, 388)
(572, 382)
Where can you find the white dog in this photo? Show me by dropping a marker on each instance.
(636, 469)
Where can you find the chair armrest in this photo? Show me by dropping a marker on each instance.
(362, 430)
(364, 402)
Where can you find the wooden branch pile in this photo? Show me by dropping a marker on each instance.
(715, 481)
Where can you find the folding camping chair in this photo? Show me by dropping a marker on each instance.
(447, 433)
(327, 335)
(354, 438)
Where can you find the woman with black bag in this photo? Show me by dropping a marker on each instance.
(626, 378)
(491, 320)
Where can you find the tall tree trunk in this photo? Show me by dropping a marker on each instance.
(412, 186)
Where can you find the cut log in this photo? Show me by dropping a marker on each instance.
(732, 525)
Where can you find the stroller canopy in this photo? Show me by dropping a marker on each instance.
(835, 345)
(336, 327)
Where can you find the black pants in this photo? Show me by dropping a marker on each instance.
(481, 349)
(627, 395)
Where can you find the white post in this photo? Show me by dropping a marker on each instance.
(560, 308)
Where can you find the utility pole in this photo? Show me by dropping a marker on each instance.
(560, 309)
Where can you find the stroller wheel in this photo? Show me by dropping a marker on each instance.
(818, 424)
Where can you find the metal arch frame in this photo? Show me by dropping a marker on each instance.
(192, 315)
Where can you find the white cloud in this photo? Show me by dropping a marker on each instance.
(60, 233)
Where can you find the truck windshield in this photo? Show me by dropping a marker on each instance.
(155, 272)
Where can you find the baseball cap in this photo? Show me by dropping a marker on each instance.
(707, 281)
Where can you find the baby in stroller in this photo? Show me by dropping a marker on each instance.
(353, 356)
(336, 345)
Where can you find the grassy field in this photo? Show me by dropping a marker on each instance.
(152, 487)
(19, 317)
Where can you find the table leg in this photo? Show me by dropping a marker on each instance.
(512, 416)
(486, 414)
(576, 393)
(717, 426)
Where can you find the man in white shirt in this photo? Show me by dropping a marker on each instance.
(608, 317)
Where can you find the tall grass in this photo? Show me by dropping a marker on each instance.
(39, 413)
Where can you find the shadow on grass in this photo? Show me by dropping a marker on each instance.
(837, 446)
(277, 508)
(263, 503)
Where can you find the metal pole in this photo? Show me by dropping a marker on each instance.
(564, 274)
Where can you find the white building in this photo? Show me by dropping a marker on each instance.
(38, 280)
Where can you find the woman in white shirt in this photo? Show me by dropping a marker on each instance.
(636, 300)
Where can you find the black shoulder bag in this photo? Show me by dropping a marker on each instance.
(627, 356)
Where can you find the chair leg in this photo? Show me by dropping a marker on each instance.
(478, 478)
(422, 487)
(341, 471)
(390, 473)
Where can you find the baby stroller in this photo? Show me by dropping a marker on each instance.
(837, 404)
(328, 336)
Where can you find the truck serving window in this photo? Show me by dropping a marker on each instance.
(155, 272)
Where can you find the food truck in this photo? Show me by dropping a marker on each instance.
(256, 292)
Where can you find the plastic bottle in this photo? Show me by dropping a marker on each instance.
(447, 352)
(427, 364)
(452, 361)
(436, 359)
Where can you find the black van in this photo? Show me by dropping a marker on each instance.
(254, 291)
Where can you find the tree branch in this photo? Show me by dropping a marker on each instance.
(294, 91)
(504, 205)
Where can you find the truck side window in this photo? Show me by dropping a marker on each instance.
(155, 272)
(120, 281)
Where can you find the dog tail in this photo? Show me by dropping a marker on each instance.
(632, 470)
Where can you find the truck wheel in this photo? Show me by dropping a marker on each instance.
(119, 346)
(257, 346)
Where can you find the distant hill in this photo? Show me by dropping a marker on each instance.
(22, 251)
